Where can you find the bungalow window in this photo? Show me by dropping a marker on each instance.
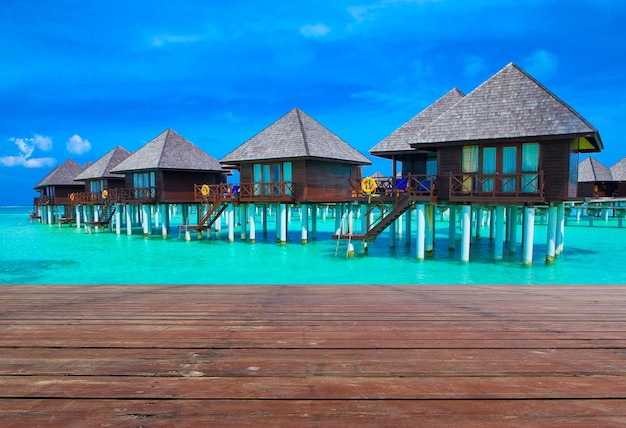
(144, 184)
(269, 178)
(470, 165)
(505, 169)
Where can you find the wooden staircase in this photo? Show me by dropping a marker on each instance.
(105, 214)
(386, 219)
(214, 211)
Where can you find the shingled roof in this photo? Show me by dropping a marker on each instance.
(510, 105)
(169, 151)
(591, 170)
(618, 171)
(399, 141)
(62, 175)
(103, 166)
(295, 135)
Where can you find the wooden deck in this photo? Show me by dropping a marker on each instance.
(311, 356)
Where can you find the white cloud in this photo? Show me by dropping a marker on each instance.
(541, 64)
(166, 39)
(27, 146)
(77, 145)
(316, 30)
(362, 12)
(28, 162)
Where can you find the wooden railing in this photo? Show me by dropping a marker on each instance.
(497, 186)
(419, 186)
(249, 192)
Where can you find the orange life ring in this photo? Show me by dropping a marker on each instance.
(368, 185)
(105, 194)
(205, 190)
(72, 197)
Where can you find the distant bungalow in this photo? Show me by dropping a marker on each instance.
(55, 190)
(595, 180)
(510, 143)
(295, 160)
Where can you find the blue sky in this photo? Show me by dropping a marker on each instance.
(78, 78)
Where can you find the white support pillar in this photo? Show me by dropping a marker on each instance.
(283, 224)
(304, 223)
(252, 226)
(230, 215)
(466, 229)
(145, 220)
(314, 211)
(243, 219)
(129, 222)
(118, 219)
(512, 217)
(408, 215)
(165, 220)
(430, 229)
(479, 221)
(560, 228)
(452, 227)
(492, 224)
(77, 209)
(350, 219)
(421, 231)
(499, 235)
(50, 215)
(529, 235)
(551, 234)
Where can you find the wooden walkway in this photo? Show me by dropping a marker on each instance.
(312, 356)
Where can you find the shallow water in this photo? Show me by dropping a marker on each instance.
(43, 254)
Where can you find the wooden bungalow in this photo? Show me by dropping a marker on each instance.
(98, 182)
(618, 173)
(55, 190)
(163, 172)
(595, 180)
(510, 142)
(295, 160)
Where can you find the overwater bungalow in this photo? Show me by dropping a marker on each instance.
(162, 173)
(595, 180)
(54, 191)
(618, 173)
(509, 144)
(295, 160)
(98, 182)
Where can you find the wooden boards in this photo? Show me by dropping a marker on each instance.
(368, 355)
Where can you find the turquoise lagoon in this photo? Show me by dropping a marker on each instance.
(44, 254)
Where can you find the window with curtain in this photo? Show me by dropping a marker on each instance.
(530, 164)
(470, 165)
(509, 168)
(489, 168)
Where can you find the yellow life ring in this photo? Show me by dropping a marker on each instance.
(105, 194)
(368, 185)
(205, 190)
(72, 197)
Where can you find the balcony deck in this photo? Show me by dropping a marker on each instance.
(467, 355)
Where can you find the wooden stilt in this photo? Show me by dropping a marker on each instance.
(529, 235)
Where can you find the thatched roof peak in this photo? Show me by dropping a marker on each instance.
(103, 166)
(591, 170)
(171, 151)
(295, 135)
(62, 175)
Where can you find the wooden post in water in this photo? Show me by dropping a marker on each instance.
(408, 214)
(129, 222)
(230, 213)
(452, 227)
(304, 223)
(430, 229)
(421, 231)
(512, 219)
(499, 235)
(283, 224)
(560, 228)
(314, 211)
(466, 230)
(165, 220)
(118, 219)
(252, 226)
(77, 209)
(529, 235)
(551, 238)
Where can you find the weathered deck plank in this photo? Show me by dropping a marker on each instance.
(313, 355)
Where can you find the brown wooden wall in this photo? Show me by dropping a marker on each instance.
(449, 161)
(554, 162)
(415, 164)
(325, 181)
